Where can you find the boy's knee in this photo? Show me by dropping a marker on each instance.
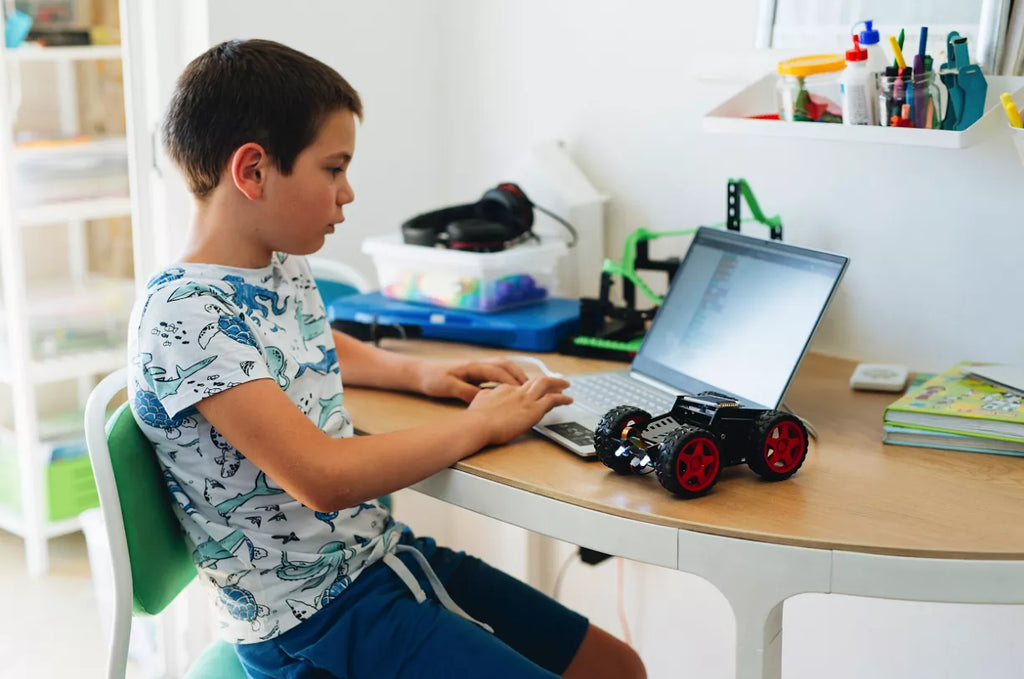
(630, 665)
(603, 655)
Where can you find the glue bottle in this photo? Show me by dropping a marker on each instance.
(871, 41)
(858, 87)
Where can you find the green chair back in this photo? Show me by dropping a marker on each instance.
(161, 559)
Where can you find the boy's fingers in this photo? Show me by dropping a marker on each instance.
(554, 400)
(491, 372)
(512, 368)
(539, 386)
(462, 390)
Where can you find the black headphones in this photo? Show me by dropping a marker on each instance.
(503, 215)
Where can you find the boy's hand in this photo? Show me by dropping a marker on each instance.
(461, 380)
(510, 410)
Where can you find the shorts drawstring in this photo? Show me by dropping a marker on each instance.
(406, 576)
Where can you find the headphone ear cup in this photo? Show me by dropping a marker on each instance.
(418, 231)
(425, 228)
(508, 204)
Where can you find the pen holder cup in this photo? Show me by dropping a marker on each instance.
(1018, 141)
(921, 92)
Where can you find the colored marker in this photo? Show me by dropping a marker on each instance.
(1012, 114)
(917, 108)
(903, 120)
(900, 62)
(901, 45)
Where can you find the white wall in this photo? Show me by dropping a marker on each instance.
(930, 232)
(457, 92)
(389, 52)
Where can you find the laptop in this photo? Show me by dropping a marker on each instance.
(737, 319)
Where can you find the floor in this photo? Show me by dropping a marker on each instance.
(57, 611)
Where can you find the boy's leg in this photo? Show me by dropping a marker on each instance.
(603, 655)
(529, 621)
(377, 629)
(427, 641)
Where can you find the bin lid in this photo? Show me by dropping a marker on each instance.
(812, 64)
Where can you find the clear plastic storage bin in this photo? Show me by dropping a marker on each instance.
(457, 279)
(807, 89)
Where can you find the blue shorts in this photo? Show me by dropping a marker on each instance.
(375, 629)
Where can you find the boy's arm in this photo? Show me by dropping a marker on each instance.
(365, 365)
(327, 474)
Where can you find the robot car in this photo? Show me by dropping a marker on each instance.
(687, 447)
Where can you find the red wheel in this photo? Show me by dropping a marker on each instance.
(779, 446)
(688, 462)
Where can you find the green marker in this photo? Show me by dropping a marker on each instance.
(895, 64)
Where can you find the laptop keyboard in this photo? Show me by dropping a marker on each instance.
(602, 392)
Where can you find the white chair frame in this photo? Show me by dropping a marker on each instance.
(110, 505)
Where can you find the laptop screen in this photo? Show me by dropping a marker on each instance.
(738, 316)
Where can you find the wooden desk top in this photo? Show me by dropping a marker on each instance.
(852, 493)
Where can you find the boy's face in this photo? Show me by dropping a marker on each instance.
(306, 204)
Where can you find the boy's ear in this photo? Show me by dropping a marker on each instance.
(248, 168)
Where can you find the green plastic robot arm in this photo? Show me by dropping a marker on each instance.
(748, 195)
(628, 267)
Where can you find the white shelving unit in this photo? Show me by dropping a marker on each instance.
(27, 203)
(733, 117)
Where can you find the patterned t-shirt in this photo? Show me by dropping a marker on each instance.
(270, 561)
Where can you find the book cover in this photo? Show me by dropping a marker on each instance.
(954, 402)
(1010, 377)
(927, 438)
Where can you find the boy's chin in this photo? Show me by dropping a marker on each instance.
(305, 249)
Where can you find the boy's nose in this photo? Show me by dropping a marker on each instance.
(345, 194)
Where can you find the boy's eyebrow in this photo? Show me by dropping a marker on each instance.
(340, 155)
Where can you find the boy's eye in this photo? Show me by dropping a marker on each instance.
(335, 171)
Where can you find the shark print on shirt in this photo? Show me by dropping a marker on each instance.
(200, 329)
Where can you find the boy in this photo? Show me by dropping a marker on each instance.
(236, 379)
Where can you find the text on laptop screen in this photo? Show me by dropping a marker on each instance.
(738, 316)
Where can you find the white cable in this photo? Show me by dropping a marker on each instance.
(807, 423)
(561, 574)
(538, 363)
(620, 601)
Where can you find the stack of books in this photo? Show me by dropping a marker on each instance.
(958, 410)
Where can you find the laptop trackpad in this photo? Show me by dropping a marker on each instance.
(570, 427)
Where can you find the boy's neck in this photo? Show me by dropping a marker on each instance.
(220, 234)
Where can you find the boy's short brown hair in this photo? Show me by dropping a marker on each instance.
(243, 91)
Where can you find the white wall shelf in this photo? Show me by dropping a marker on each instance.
(77, 365)
(733, 117)
(75, 146)
(73, 365)
(11, 522)
(63, 176)
(91, 208)
(9, 440)
(30, 52)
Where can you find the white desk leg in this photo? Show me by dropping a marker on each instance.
(756, 578)
(541, 556)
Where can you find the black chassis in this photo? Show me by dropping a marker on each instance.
(688, 446)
